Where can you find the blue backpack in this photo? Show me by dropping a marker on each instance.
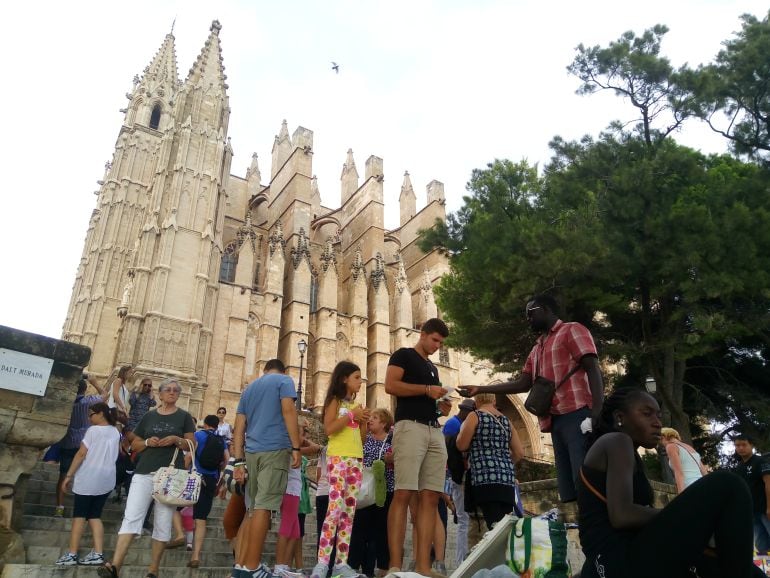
(211, 455)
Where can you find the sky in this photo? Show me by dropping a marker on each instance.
(436, 88)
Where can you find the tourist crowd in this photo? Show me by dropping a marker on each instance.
(378, 470)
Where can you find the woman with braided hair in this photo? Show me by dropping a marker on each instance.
(624, 536)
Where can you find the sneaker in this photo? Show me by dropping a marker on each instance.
(92, 559)
(440, 567)
(319, 571)
(58, 512)
(286, 573)
(69, 559)
(261, 572)
(344, 571)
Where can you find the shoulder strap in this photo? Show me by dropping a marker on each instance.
(591, 487)
(689, 453)
(572, 372)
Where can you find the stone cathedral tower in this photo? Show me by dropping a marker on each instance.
(192, 272)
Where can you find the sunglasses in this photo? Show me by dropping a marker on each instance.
(529, 310)
(222, 412)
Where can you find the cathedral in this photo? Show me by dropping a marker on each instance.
(192, 272)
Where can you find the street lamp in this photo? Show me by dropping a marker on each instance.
(302, 346)
(650, 385)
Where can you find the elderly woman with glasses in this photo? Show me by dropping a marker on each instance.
(156, 437)
(92, 475)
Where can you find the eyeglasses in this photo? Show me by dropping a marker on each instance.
(172, 390)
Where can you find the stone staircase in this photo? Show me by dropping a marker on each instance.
(46, 538)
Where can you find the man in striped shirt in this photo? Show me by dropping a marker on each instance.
(564, 353)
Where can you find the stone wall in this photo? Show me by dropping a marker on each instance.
(543, 495)
(29, 423)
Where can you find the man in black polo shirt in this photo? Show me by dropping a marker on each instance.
(755, 470)
(419, 451)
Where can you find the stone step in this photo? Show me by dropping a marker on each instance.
(62, 526)
(40, 504)
(136, 556)
(61, 541)
(48, 571)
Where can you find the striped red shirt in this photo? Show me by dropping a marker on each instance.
(554, 356)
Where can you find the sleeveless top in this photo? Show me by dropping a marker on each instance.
(490, 451)
(346, 442)
(597, 536)
(690, 463)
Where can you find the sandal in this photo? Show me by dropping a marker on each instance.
(175, 543)
(194, 564)
(107, 571)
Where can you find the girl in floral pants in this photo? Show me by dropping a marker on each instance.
(342, 423)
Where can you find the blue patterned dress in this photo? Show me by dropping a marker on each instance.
(492, 473)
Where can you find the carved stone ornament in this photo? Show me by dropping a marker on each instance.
(426, 287)
(378, 273)
(276, 238)
(246, 233)
(328, 257)
(301, 250)
(402, 282)
(357, 269)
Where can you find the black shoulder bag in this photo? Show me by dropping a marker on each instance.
(543, 389)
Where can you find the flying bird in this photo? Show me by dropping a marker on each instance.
(335, 67)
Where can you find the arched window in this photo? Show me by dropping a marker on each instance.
(229, 261)
(155, 117)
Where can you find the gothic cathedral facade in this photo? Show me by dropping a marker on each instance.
(189, 271)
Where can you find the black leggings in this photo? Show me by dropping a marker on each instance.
(717, 505)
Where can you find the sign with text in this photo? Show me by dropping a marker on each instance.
(24, 372)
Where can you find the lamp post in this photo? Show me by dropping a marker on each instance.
(302, 347)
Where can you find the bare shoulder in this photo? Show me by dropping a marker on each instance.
(607, 448)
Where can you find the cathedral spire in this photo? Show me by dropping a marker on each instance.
(407, 200)
(349, 177)
(282, 148)
(153, 93)
(163, 66)
(208, 69)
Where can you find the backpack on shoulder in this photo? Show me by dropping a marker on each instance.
(212, 454)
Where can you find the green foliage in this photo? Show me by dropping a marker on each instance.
(651, 247)
(631, 67)
(732, 94)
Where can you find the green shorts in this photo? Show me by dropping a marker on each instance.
(268, 475)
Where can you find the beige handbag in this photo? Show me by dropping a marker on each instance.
(177, 487)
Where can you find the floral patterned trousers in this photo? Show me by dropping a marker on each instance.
(345, 476)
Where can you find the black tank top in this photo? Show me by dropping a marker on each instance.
(597, 536)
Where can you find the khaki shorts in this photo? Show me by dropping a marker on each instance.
(268, 475)
(419, 456)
